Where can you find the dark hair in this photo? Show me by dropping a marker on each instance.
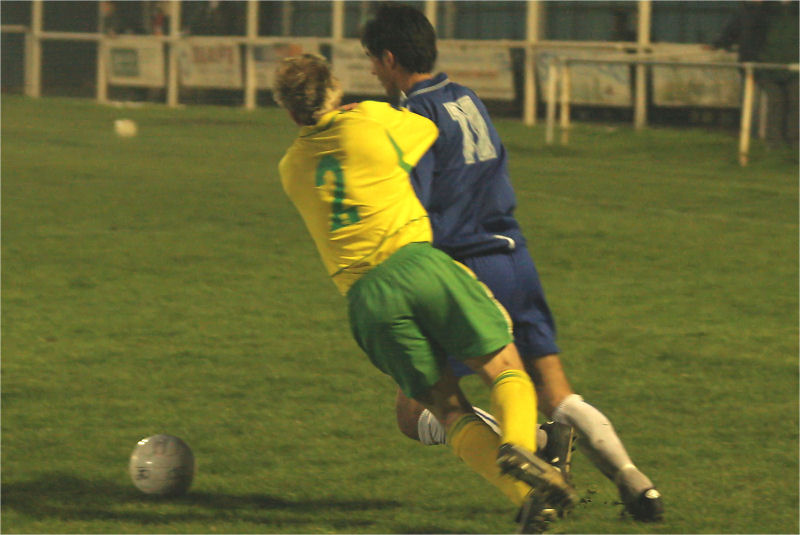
(406, 33)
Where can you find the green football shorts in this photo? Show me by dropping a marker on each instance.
(416, 308)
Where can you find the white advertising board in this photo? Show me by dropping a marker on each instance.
(267, 57)
(210, 63)
(485, 70)
(678, 85)
(353, 69)
(600, 84)
(135, 62)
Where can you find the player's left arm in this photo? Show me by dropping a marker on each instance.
(422, 177)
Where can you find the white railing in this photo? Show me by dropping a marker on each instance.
(641, 55)
(560, 71)
(34, 39)
(35, 35)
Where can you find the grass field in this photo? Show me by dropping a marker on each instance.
(164, 284)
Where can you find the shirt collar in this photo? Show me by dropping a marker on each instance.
(431, 84)
(323, 124)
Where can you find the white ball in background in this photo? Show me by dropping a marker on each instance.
(125, 127)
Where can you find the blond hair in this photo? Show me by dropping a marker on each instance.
(306, 87)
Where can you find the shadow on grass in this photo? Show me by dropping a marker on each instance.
(66, 498)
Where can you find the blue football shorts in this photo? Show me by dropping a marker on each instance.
(514, 281)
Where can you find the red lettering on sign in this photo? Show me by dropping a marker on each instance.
(212, 54)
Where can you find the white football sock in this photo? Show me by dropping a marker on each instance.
(432, 433)
(600, 442)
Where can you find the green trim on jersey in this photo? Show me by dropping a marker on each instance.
(400, 161)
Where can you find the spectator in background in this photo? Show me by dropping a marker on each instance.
(622, 31)
(781, 86)
(156, 18)
(767, 32)
(117, 18)
(206, 19)
(109, 19)
(217, 18)
(747, 30)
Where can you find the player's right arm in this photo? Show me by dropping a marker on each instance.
(422, 175)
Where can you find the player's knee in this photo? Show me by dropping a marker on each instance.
(488, 367)
(550, 381)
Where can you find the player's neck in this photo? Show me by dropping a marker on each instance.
(413, 79)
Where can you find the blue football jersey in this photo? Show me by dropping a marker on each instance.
(463, 180)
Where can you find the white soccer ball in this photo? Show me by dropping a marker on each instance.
(162, 465)
(125, 127)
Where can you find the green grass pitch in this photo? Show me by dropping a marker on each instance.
(164, 284)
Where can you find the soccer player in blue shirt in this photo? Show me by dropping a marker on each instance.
(464, 184)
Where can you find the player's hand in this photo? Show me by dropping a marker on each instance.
(348, 107)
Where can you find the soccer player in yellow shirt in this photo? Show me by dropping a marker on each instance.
(409, 305)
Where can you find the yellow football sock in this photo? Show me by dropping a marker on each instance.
(513, 404)
(476, 444)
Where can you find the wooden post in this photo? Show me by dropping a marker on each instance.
(337, 19)
(33, 52)
(102, 64)
(529, 102)
(566, 88)
(552, 97)
(449, 19)
(643, 39)
(287, 12)
(250, 60)
(102, 71)
(747, 115)
(172, 54)
(532, 37)
(430, 12)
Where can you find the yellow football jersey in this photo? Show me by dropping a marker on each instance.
(348, 177)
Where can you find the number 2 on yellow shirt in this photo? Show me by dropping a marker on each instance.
(338, 212)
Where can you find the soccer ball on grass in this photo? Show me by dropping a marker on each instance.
(125, 127)
(162, 465)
